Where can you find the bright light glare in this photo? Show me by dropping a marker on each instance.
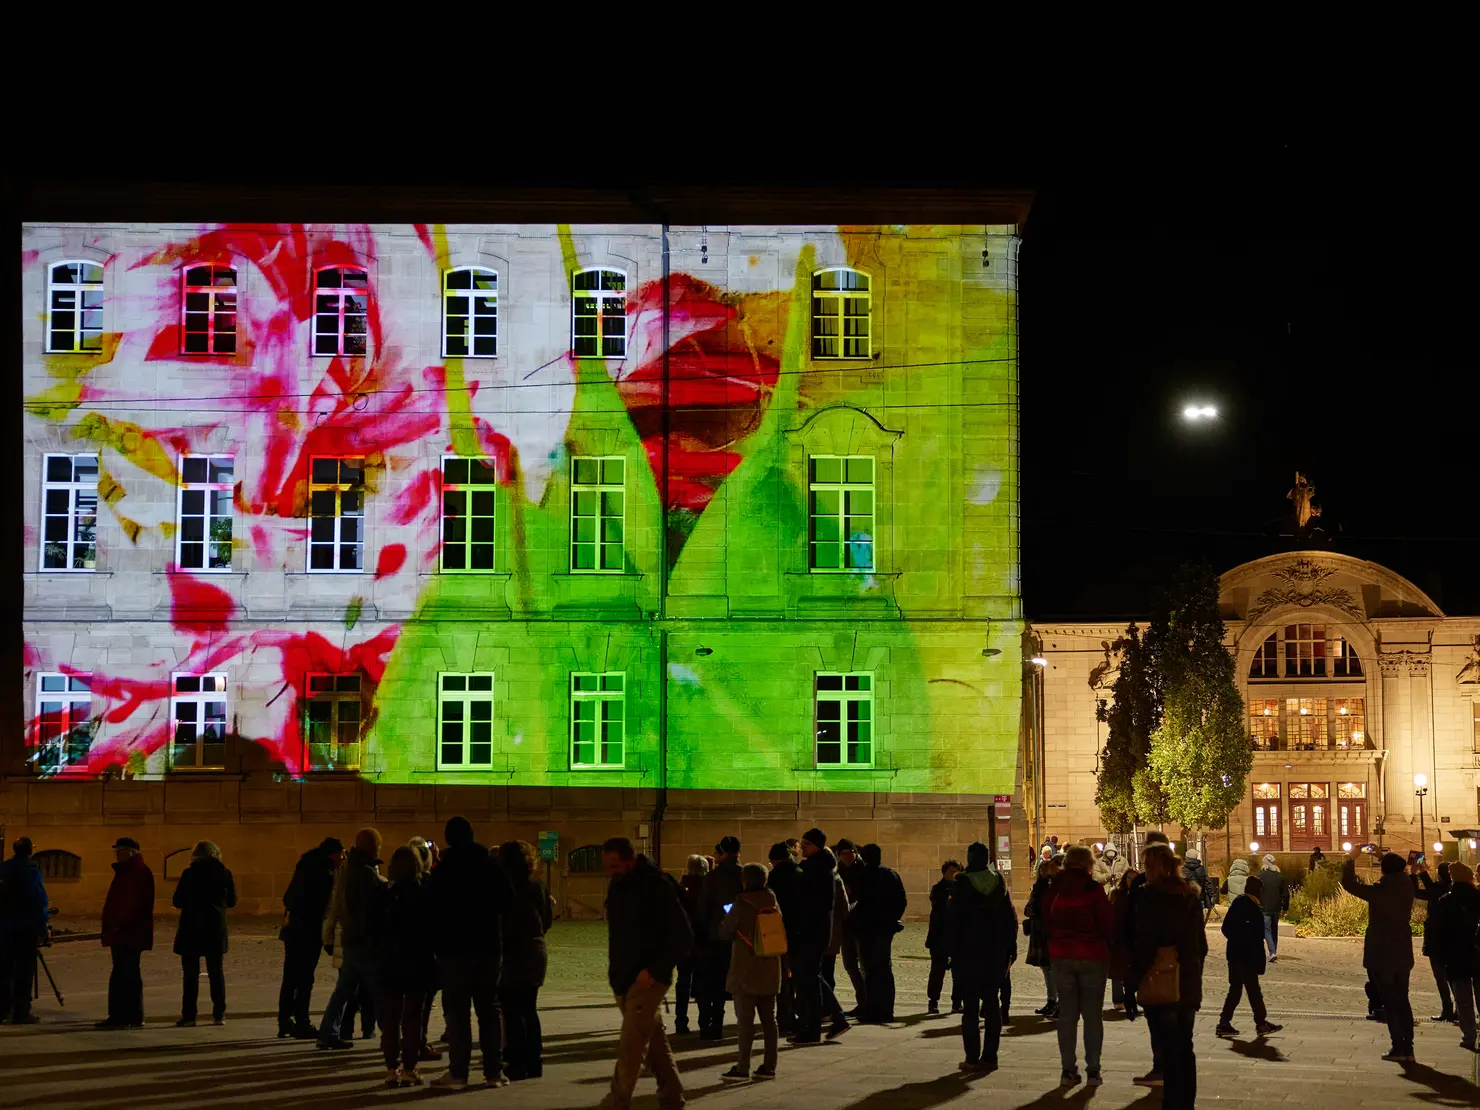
(1472, 845)
(1038, 661)
(1199, 412)
(1346, 845)
(1253, 845)
(1438, 846)
(1420, 780)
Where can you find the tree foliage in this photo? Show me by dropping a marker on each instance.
(1200, 756)
(1130, 719)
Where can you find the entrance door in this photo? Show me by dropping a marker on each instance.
(1267, 816)
(1351, 812)
(1310, 816)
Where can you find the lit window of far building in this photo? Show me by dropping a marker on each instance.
(208, 311)
(845, 720)
(841, 512)
(341, 321)
(598, 314)
(1305, 724)
(1351, 810)
(198, 715)
(204, 537)
(336, 496)
(470, 313)
(469, 487)
(74, 308)
(1266, 658)
(465, 722)
(1344, 660)
(842, 312)
(1305, 650)
(64, 727)
(332, 715)
(1349, 723)
(598, 721)
(69, 504)
(1310, 806)
(1265, 717)
(597, 514)
(1267, 811)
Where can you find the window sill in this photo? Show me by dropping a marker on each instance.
(60, 570)
(812, 573)
(207, 573)
(633, 574)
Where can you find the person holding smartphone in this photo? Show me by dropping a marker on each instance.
(1387, 950)
(1429, 890)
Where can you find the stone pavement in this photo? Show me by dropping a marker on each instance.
(1327, 1055)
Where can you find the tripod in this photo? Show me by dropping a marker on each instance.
(36, 980)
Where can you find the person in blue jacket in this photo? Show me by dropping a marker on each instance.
(23, 918)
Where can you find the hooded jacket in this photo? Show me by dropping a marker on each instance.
(646, 929)
(811, 923)
(1453, 921)
(1244, 927)
(1108, 869)
(1197, 875)
(981, 925)
(469, 895)
(1275, 897)
(1079, 918)
(128, 911)
(749, 973)
(307, 898)
(203, 895)
(1389, 942)
(1238, 875)
(347, 922)
(23, 900)
(1167, 915)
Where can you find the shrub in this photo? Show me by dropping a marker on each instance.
(1299, 910)
(1322, 884)
(1342, 916)
(1419, 918)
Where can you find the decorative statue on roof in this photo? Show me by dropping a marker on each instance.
(1302, 495)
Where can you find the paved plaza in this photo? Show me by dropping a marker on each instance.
(1327, 1055)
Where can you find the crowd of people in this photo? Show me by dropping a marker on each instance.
(470, 923)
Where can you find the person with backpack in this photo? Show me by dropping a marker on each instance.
(204, 893)
(1273, 902)
(1245, 928)
(757, 934)
(938, 939)
(23, 920)
(982, 938)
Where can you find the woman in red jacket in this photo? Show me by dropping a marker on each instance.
(1080, 922)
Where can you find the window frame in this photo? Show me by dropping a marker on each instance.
(78, 289)
(341, 292)
(844, 697)
(339, 488)
(601, 295)
(844, 488)
(69, 699)
(471, 293)
(1475, 714)
(334, 697)
(201, 698)
(601, 488)
(74, 490)
(1268, 808)
(207, 515)
(467, 517)
(465, 697)
(602, 697)
(839, 299)
(212, 311)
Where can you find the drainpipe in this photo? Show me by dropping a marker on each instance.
(661, 806)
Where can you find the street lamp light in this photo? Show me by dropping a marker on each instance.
(1253, 845)
(1194, 413)
(1421, 782)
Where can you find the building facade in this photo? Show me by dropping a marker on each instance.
(645, 529)
(1354, 683)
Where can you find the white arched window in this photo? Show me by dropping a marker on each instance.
(341, 320)
(470, 312)
(74, 307)
(208, 311)
(842, 313)
(598, 313)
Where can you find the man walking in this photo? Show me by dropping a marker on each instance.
(880, 904)
(1387, 951)
(23, 920)
(1274, 900)
(1246, 928)
(468, 895)
(647, 934)
(809, 932)
(304, 904)
(721, 887)
(982, 933)
(346, 935)
(128, 932)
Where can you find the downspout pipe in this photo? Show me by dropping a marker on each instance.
(660, 808)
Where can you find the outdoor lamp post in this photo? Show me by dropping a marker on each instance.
(1421, 781)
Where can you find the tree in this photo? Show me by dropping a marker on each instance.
(1200, 754)
(1128, 736)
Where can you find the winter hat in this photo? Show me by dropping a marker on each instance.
(872, 855)
(977, 855)
(1393, 864)
(815, 836)
(1193, 853)
(729, 845)
(126, 842)
(330, 844)
(368, 841)
(1254, 886)
(459, 830)
(845, 845)
(778, 851)
(1461, 872)
(1271, 862)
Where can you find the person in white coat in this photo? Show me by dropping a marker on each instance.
(1109, 868)
(1238, 876)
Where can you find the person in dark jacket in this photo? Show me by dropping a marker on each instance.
(719, 889)
(1119, 952)
(1428, 890)
(981, 933)
(1387, 950)
(695, 868)
(469, 896)
(405, 969)
(304, 904)
(204, 893)
(1244, 927)
(1168, 914)
(23, 920)
(809, 934)
(346, 936)
(782, 882)
(525, 961)
(1274, 901)
(850, 870)
(1152, 1078)
(1454, 922)
(128, 932)
(879, 905)
(938, 939)
(1079, 919)
(1315, 860)
(1036, 928)
(647, 934)
(1196, 873)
